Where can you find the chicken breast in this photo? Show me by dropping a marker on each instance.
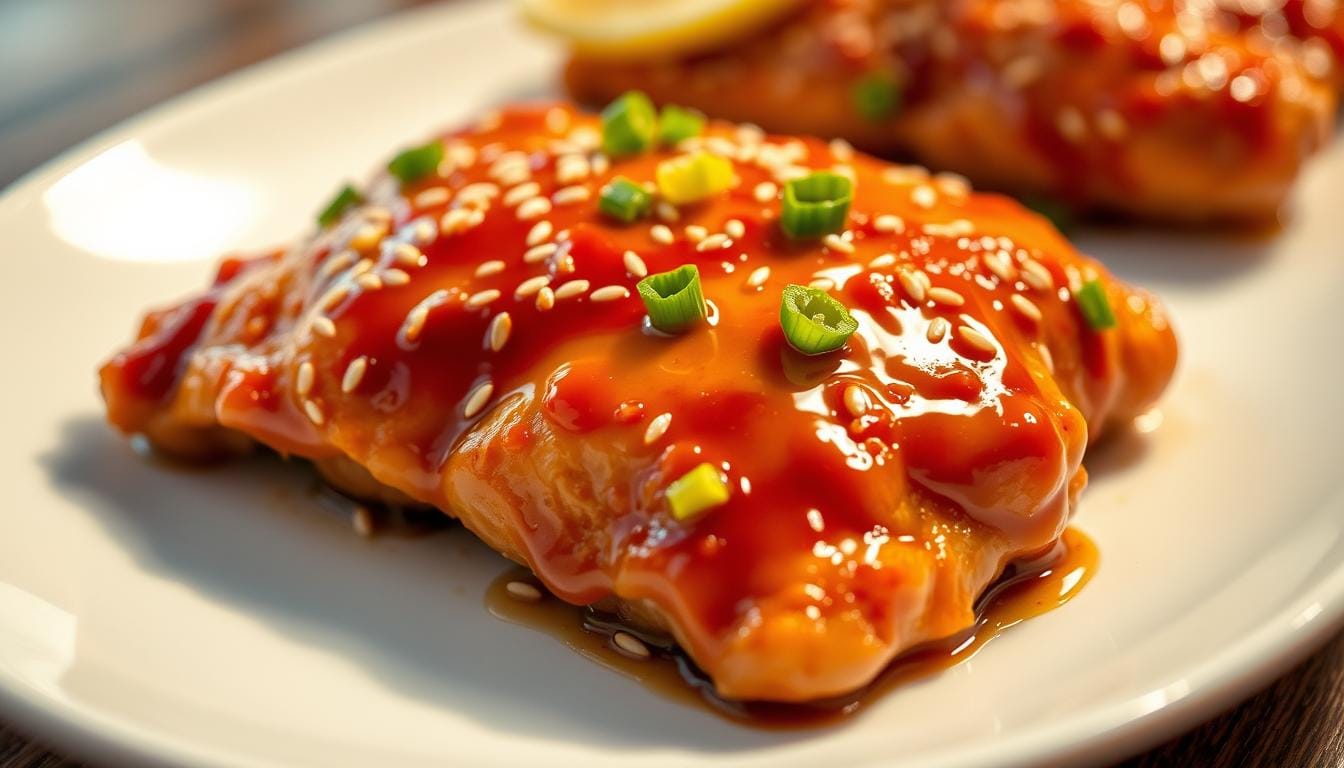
(1175, 110)
(473, 340)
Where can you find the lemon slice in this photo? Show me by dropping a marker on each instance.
(641, 29)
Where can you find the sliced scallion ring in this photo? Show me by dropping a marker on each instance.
(344, 200)
(1095, 306)
(624, 200)
(414, 164)
(813, 321)
(629, 124)
(674, 299)
(816, 204)
(678, 124)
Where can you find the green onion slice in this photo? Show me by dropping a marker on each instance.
(674, 299)
(1095, 306)
(629, 124)
(624, 200)
(678, 124)
(877, 96)
(416, 163)
(696, 491)
(816, 204)
(344, 200)
(813, 321)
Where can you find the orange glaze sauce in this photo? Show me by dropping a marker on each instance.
(967, 456)
(1023, 592)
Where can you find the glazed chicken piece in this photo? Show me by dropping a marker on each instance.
(1177, 110)
(473, 340)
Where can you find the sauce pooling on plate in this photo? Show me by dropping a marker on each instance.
(474, 338)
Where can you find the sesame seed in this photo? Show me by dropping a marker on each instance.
(333, 297)
(600, 163)
(531, 286)
(497, 334)
(363, 266)
(695, 233)
(478, 398)
(661, 234)
(539, 253)
(521, 590)
(408, 255)
(888, 223)
(533, 208)
(631, 646)
(913, 285)
(822, 284)
(946, 297)
(938, 329)
(976, 339)
(758, 277)
(1001, 265)
(521, 192)
(354, 374)
(1026, 306)
(459, 220)
(856, 400)
(315, 414)
(610, 293)
(841, 150)
(924, 196)
(735, 229)
(634, 265)
(368, 236)
(571, 168)
(482, 298)
(766, 191)
(376, 214)
(571, 289)
(1046, 357)
(571, 195)
(395, 277)
(324, 326)
(545, 299)
(557, 120)
(337, 263)
(432, 196)
(414, 322)
(837, 243)
(361, 519)
(303, 382)
(539, 233)
(883, 261)
(481, 192)
(1036, 275)
(488, 268)
(713, 242)
(369, 281)
(657, 428)
(952, 184)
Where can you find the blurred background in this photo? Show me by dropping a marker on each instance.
(72, 68)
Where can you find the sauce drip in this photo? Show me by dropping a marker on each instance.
(1024, 591)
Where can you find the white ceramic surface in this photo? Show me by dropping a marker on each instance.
(220, 617)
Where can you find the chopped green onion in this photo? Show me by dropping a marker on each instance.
(678, 124)
(346, 199)
(629, 124)
(624, 200)
(816, 204)
(674, 299)
(696, 491)
(877, 96)
(1095, 306)
(813, 321)
(693, 177)
(414, 164)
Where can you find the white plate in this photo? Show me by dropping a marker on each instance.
(217, 617)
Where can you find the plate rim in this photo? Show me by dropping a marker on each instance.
(1226, 678)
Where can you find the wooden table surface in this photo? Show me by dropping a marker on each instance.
(73, 67)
